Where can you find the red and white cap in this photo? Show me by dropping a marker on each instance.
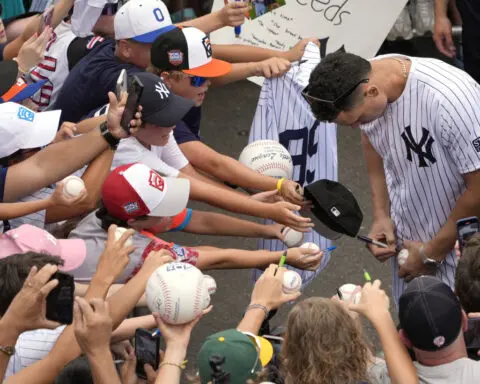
(28, 238)
(134, 190)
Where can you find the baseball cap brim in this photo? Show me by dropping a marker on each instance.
(321, 228)
(151, 36)
(44, 129)
(170, 115)
(214, 68)
(74, 252)
(175, 199)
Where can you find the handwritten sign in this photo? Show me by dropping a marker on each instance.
(358, 25)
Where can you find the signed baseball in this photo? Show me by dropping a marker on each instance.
(349, 290)
(73, 186)
(292, 282)
(268, 157)
(292, 238)
(210, 284)
(118, 234)
(312, 246)
(402, 257)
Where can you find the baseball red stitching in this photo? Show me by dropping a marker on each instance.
(196, 304)
(268, 166)
(168, 301)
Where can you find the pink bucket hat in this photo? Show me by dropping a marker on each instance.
(27, 238)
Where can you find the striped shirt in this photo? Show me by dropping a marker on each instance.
(428, 138)
(283, 114)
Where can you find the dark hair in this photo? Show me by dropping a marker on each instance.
(77, 371)
(467, 276)
(107, 219)
(14, 270)
(332, 77)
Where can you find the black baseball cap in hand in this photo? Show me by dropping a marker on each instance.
(160, 106)
(335, 210)
(430, 314)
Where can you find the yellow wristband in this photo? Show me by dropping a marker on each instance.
(182, 365)
(279, 184)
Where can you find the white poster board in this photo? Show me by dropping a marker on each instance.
(358, 25)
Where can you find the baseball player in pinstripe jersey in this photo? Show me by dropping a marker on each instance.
(420, 125)
(282, 114)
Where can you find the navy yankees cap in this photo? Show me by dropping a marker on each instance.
(335, 209)
(159, 105)
(430, 314)
(188, 50)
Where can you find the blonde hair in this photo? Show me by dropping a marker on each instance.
(323, 344)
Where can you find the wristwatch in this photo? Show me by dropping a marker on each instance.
(9, 351)
(427, 260)
(107, 135)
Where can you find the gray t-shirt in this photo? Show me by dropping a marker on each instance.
(461, 371)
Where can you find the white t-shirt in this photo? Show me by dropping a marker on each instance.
(167, 160)
(31, 347)
(461, 371)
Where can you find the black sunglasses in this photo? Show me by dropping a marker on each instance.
(338, 101)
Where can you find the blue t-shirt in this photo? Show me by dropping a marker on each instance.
(189, 128)
(88, 83)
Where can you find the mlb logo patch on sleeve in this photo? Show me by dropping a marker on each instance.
(476, 144)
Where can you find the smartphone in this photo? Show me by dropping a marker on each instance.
(465, 229)
(135, 90)
(472, 335)
(147, 351)
(60, 299)
(122, 84)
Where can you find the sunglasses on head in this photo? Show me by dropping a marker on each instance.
(338, 101)
(197, 81)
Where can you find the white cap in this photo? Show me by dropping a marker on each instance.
(21, 128)
(142, 20)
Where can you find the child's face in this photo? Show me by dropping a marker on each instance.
(181, 85)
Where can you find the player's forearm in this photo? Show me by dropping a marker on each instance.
(222, 225)
(126, 330)
(52, 164)
(93, 178)
(378, 183)
(237, 53)
(240, 71)
(236, 259)
(467, 205)
(103, 368)
(441, 7)
(12, 210)
(399, 364)
(207, 23)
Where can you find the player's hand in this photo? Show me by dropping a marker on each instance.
(272, 196)
(234, 13)
(414, 265)
(297, 51)
(92, 325)
(282, 212)
(383, 230)
(115, 257)
(114, 116)
(442, 36)
(268, 290)
(304, 258)
(293, 192)
(27, 311)
(374, 302)
(273, 67)
(60, 198)
(66, 131)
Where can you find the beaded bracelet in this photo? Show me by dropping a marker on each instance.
(260, 306)
(182, 365)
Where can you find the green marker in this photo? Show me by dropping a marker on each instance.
(283, 259)
(367, 277)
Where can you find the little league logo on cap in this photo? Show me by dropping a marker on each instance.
(135, 190)
(142, 20)
(195, 49)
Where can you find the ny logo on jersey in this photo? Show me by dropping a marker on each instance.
(423, 148)
(162, 90)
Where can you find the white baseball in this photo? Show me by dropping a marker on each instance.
(210, 284)
(347, 290)
(177, 291)
(292, 282)
(292, 238)
(269, 158)
(402, 257)
(312, 246)
(73, 186)
(118, 234)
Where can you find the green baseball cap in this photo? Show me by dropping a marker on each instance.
(244, 355)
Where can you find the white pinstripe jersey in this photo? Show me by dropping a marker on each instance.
(427, 139)
(283, 114)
